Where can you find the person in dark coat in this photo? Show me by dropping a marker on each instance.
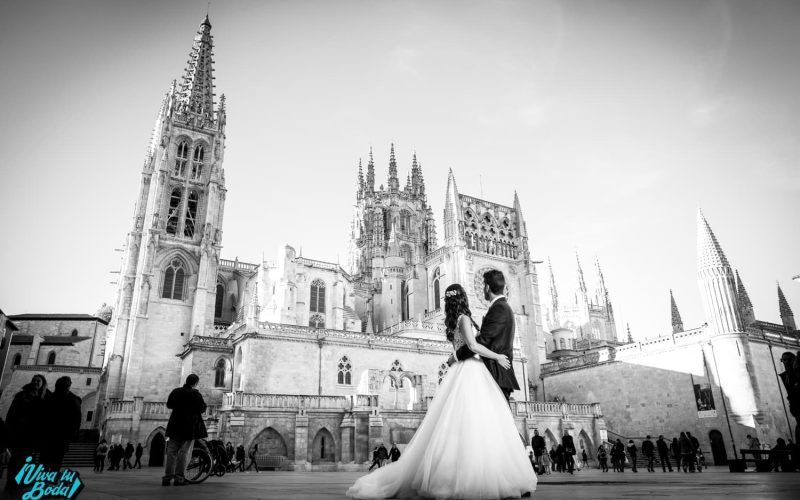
(126, 463)
(560, 459)
(791, 381)
(649, 452)
(569, 452)
(100, 456)
(602, 458)
(618, 456)
(63, 421)
(687, 451)
(21, 422)
(394, 453)
(675, 448)
(252, 455)
(184, 426)
(539, 449)
(139, 450)
(634, 453)
(383, 454)
(694, 462)
(663, 453)
(376, 461)
(240, 457)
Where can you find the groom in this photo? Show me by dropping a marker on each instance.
(497, 332)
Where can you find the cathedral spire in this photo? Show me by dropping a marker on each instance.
(787, 316)
(677, 322)
(553, 294)
(370, 186)
(452, 211)
(630, 337)
(394, 182)
(716, 280)
(197, 88)
(409, 188)
(581, 282)
(521, 229)
(360, 180)
(743, 299)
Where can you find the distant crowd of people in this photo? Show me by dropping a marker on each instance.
(380, 455)
(39, 420)
(117, 455)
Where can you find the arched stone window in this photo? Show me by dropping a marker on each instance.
(197, 162)
(437, 301)
(51, 358)
(17, 359)
(442, 371)
(174, 277)
(317, 303)
(180, 159)
(191, 214)
(219, 299)
(174, 210)
(74, 332)
(344, 375)
(219, 373)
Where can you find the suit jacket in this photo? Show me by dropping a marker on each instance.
(497, 335)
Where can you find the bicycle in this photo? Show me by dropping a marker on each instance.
(205, 461)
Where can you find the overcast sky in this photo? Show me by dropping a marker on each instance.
(614, 120)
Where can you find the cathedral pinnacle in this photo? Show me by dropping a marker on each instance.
(197, 88)
(630, 337)
(360, 180)
(394, 182)
(677, 322)
(553, 291)
(741, 292)
(452, 210)
(370, 187)
(581, 282)
(783, 305)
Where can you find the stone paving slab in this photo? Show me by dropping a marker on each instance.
(713, 483)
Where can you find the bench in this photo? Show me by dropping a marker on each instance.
(270, 462)
(763, 458)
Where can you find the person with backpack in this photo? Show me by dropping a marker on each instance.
(100, 456)
(602, 458)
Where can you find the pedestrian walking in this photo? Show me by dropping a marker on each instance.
(602, 458)
(139, 450)
(618, 456)
(546, 463)
(184, 426)
(633, 452)
(100, 456)
(687, 451)
(376, 460)
(383, 454)
(539, 449)
(126, 463)
(569, 452)
(240, 458)
(394, 453)
(663, 453)
(675, 448)
(584, 458)
(252, 455)
(648, 450)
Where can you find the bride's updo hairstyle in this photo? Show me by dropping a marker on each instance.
(455, 304)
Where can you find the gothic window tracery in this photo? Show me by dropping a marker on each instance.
(317, 302)
(316, 321)
(197, 162)
(174, 277)
(344, 371)
(174, 209)
(191, 214)
(181, 158)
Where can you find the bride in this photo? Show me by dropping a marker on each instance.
(467, 446)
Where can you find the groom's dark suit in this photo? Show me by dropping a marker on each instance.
(497, 335)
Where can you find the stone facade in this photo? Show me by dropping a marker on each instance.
(314, 362)
(719, 381)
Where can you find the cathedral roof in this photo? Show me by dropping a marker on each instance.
(56, 317)
(709, 251)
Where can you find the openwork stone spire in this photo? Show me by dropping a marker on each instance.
(744, 298)
(360, 180)
(197, 88)
(394, 182)
(709, 251)
(677, 322)
(370, 187)
(581, 282)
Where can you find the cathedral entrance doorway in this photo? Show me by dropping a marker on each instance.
(718, 448)
(157, 445)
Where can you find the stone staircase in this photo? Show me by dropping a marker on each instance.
(79, 455)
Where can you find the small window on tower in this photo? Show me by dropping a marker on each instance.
(180, 160)
(174, 276)
(191, 214)
(174, 208)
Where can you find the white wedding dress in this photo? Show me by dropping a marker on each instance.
(466, 447)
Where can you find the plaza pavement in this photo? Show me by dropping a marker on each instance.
(713, 483)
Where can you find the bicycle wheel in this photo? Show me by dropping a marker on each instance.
(199, 466)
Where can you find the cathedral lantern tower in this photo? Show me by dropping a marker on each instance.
(728, 347)
(172, 251)
(392, 233)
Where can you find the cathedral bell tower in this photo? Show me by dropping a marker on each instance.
(391, 234)
(172, 251)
